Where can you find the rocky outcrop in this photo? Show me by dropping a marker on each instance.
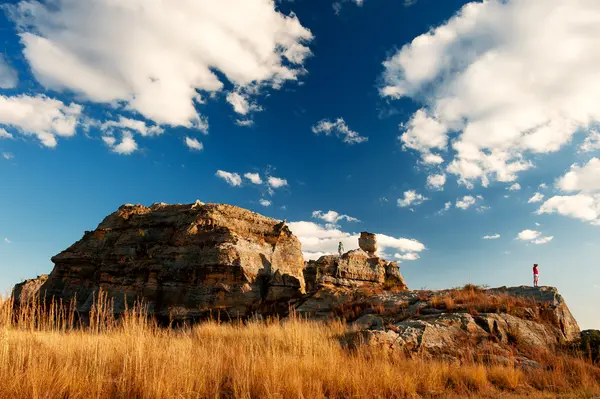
(452, 324)
(355, 268)
(184, 261)
(192, 261)
(28, 290)
(555, 310)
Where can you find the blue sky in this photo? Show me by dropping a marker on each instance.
(431, 123)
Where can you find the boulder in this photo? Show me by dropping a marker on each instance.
(184, 261)
(368, 242)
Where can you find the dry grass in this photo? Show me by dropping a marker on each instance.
(43, 354)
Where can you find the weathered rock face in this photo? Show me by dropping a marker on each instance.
(28, 289)
(353, 269)
(418, 322)
(368, 242)
(183, 260)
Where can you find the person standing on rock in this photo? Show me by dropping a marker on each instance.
(340, 248)
(536, 275)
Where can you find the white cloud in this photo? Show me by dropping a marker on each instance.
(466, 202)
(8, 75)
(193, 144)
(152, 57)
(429, 158)
(407, 256)
(424, 133)
(7, 155)
(4, 134)
(543, 186)
(125, 147)
(233, 179)
(537, 197)
(241, 104)
(133, 125)
(514, 187)
(411, 197)
(318, 240)
(332, 217)
(591, 142)
(543, 240)
(339, 129)
(582, 178)
(528, 235)
(276, 182)
(492, 237)
(6, 240)
(585, 204)
(584, 207)
(40, 116)
(244, 122)
(254, 178)
(264, 202)
(503, 86)
(436, 182)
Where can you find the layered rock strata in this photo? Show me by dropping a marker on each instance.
(184, 261)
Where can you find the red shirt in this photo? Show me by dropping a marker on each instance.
(535, 270)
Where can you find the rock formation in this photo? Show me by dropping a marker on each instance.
(190, 261)
(28, 290)
(483, 322)
(368, 242)
(183, 260)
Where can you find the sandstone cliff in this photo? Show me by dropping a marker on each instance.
(183, 260)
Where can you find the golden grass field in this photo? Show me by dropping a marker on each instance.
(42, 355)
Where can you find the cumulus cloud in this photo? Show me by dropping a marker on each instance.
(7, 155)
(264, 202)
(8, 75)
(233, 179)
(241, 103)
(467, 201)
(582, 178)
(339, 129)
(543, 240)
(591, 142)
(534, 237)
(125, 147)
(132, 124)
(584, 205)
(434, 159)
(528, 235)
(318, 240)
(407, 256)
(154, 57)
(40, 116)
(332, 217)
(504, 94)
(492, 237)
(537, 197)
(436, 182)
(254, 178)
(411, 197)
(514, 187)
(193, 144)
(276, 182)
